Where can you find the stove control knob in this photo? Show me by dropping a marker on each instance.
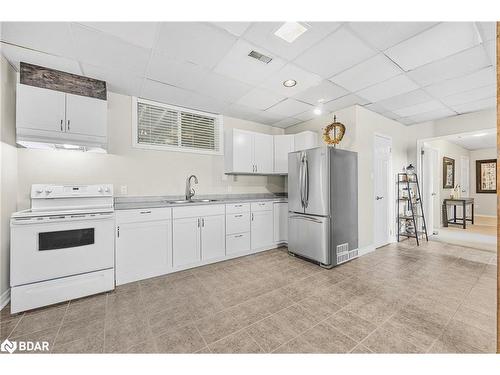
(99, 189)
(48, 191)
(39, 191)
(107, 189)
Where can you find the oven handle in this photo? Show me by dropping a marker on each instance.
(69, 219)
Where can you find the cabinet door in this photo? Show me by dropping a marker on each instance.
(305, 140)
(280, 222)
(143, 250)
(213, 237)
(87, 116)
(186, 241)
(262, 234)
(40, 109)
(242, 151)
(263, 153)
(283, 144)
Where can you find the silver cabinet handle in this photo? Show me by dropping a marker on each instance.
(238, 215)
(238, 235)
(238, 205)
(145, 212)
(203, 222)
(198, 222)
(68, 124)
(252, 216)
(61, 125)
(378, 198)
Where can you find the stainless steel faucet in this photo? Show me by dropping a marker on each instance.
(189, 190)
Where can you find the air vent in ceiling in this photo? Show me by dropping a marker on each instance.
(260, 57)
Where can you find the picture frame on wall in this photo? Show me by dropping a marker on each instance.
(448, 173)
(486, 176)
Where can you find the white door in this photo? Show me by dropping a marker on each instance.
(430, 188)
(280, 222)
(382, 151)
(40, 109)
(242, 151)
(186, 241)
(464, 181)
(263, 153)
(213, 237)
(86, 115)
(262, 233)
(143, 250)
(283, 144)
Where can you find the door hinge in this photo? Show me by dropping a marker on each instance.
(118, 231)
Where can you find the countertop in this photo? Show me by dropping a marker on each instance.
(131, 203)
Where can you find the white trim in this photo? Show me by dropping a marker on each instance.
(488, 216)
(4, 298)
(218, 118)
(391, 227)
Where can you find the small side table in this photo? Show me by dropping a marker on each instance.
(464, 202)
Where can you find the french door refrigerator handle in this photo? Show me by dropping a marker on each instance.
(306, 182)
(301, 182)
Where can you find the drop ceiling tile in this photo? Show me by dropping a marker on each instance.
(305, 116)
(369, 72)
(391, 115)
(376, 107)
(419, 108)
(238, 65)
(305, 80)
(205, 103)
(260, 99)
(285, 123)
(117, 81)
(141, 34)
(491, 50)
(438, 42)
(15, 55)
(235, 28)
(476, 106)
(335, 53)
(406, 121)
(49, 37)
(406, 100)
(99, 49)
(454, 66)
(488, 30)
(433, 115)
(383, 35)
(221, 87)
(164, 93)
(196, 42)
(289, 108)
(262, 34)
(324, 92)
(477, 79)
(471, 95)
(392, 87)
(263, 117)
(344, 102)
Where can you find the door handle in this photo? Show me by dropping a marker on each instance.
(306, 218)
(379, 198)
(252, 216)
(198, 222)
(68, 124)
(306, 183)
(145, 212)
(203, 222)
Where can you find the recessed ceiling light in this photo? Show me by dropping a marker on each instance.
(317, 111)
(290, 31)
(289, 83)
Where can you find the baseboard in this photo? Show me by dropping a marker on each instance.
(365, 250)
(4, 298)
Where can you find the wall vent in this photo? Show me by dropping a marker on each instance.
(343, 253)
(260, 57)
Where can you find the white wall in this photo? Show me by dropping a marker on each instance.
(361, 127)
(144, 172)
(484, 203)
(8, 175)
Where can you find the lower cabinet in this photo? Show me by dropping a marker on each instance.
(213, 237)
(143, 245)
(262, 235)
(280, 210)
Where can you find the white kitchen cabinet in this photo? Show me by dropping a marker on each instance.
(248, 152)
(40, 109)
(262, 233)
(280, 211)
(283, 144)
(213, 237)
(186, 244)
(86, 115)
(54, 118)
(305, 140)
(143, 244)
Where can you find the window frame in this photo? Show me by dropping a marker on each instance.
(135, 127)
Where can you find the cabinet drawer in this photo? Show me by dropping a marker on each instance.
(146, 214)
(198, 211)
(237, 243)
(262, 206)
(237, 207)
(237, 223)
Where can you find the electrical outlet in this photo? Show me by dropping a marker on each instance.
(123, 190)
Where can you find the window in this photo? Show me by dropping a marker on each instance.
(161, 126)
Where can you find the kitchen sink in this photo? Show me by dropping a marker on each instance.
(191, 201)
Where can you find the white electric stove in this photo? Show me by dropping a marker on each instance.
(63, 247)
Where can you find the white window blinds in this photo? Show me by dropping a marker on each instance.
(161, 126)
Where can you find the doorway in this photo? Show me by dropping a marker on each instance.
(382, 191)
(430, 188)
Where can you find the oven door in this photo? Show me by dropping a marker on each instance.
(53, 247)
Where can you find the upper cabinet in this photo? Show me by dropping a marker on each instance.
(305, 140)
(283, 144)
(248, 152)
(86, 116)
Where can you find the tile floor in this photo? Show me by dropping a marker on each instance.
(397, 299)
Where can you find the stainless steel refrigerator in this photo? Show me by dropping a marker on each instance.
(323, 205)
